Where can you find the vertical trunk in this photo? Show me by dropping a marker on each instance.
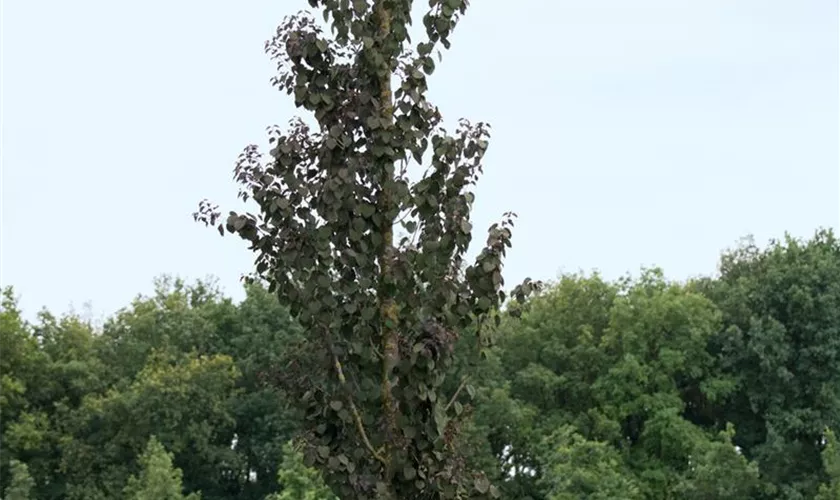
(387, 307)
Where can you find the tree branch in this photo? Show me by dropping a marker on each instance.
(357, 418)
(457, 392)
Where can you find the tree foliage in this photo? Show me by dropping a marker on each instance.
(581, 468)
(781, 306)
(632, 388)
(831, 465)
(384, 310)
(612, 371)
(158, 479)
(185, 364)
(297, 481)
(21, 483)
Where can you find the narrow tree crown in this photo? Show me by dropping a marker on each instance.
(386, 310)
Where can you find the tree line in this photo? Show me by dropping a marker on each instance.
(722, 387)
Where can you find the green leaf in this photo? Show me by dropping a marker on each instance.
(367, 210)
(482, 484)
(470, 390)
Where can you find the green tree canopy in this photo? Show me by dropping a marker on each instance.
(619, 367)
(299, 482)
(21, 483)
(781, 344)
(634, 388)
(158, 478)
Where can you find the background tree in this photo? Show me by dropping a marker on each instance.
(85, 403)
(384, 311)
(634, 381)
(299, 482)
(21, 483)
(158, 479)
(183, 320)
(831, 466)
(719, 470)
(181, 401)
(48, 367)
(20, 362)
(580, 468)
(781, 345)
(612, 370)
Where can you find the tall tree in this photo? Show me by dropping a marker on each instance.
(781, 308)
(385, 310)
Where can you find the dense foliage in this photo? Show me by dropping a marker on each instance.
(382, 313)
(726, 387)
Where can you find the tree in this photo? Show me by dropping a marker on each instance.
(299, 482)
(182, 400)
(78, 405)
(718, 470)
(617, 372)
(182, 318)
(20, 363)
(158, 479)
(265, 421)
(831, 467)
(385, 311)
(580, 468)
(21, 483)
(19, 355)
(780, 344)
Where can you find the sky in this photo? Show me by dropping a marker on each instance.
(625, 134)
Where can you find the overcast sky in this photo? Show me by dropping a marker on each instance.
(625, 133)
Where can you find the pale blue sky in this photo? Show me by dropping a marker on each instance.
(626, 133)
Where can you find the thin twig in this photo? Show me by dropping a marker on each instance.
(457, 392)
(357, 418)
